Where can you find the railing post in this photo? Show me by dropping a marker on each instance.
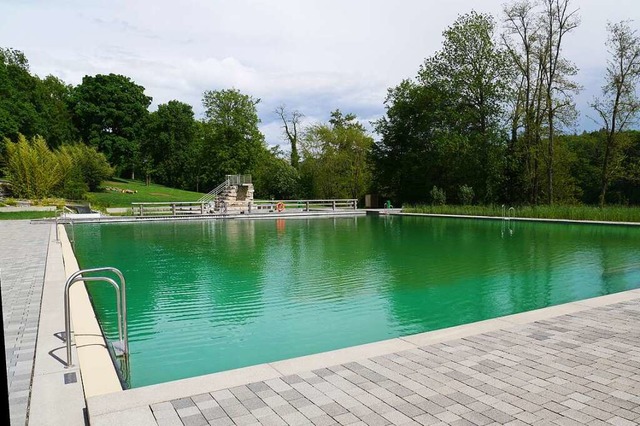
(173, 209)
(355, 204)
(333, 204)
(201, 208)
(307, 206)
(141, 209)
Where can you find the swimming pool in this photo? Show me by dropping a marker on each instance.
(208, 296)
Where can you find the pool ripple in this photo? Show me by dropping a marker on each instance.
(227, 294)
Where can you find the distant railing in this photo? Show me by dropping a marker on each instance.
(183, 208)
(238, 179)
(176, 208)
(305, 205)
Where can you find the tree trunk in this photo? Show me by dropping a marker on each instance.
(550, 166)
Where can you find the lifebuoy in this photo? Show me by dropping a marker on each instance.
(280, 206)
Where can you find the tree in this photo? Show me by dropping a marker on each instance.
(232, 142)
(275, 177)
(168, 145)
(619, 104)
(473, 69)
(18, 112)
(336, 158)
(444, 128)
(32, 106)
(557, 21)
(110, 112)
(52, 104)
(534, 36)
(522, 39)
(290, 126)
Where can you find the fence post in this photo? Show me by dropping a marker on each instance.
(333, 204)
(173, 209)
(141, 208)
(201, 208)
(355, 204)
(307, 205)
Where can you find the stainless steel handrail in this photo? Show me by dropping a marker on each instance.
(121, 304)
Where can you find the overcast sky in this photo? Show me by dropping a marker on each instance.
(311, 55)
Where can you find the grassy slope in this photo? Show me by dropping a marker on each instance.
(612, 213)
(151, 193)
(25, 215)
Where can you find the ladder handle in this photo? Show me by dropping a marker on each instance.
(120, 303)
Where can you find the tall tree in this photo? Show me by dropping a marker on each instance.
(336, 158)
(475, 72)
(291, 128)
(232, 141)
(619, 104)
(534, 37)
(450, 118)
(557, 21)
(18, 112)
(52, 103)
(110, 112)
(522, 40)
(168, 144)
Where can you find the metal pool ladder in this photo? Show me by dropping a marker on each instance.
(507, 215)
(122, 346)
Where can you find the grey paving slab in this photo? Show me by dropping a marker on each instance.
(578, 368)
(23, 254)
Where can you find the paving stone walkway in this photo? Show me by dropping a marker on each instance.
(23, 253)
(578, 369)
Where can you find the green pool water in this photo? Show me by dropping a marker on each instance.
(209, 296)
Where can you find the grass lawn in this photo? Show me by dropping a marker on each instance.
(143, 194)
(25, 215)
(610, 213)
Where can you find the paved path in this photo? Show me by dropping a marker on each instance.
(23, 253)
(582, 368)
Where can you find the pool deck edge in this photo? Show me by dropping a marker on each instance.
(104, 409)
(57, 395)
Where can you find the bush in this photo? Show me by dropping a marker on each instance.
(466, 195)
(37, 172)
(92, 166)
(34, 171)
(438, 196)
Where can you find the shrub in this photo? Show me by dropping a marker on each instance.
(37, 172)
(438, 196)
(466, 195)
(92, 166)
(34, 171)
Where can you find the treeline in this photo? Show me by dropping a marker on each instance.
(484, 121)
(485, 115)
(109, 114)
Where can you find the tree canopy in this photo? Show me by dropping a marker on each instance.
(110, 112)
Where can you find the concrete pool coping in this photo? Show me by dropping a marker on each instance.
(108, 408)
(108, 405)
(251, 216)
(519, 219)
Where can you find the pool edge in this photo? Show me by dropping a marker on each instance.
(97, 370)
(101, 406)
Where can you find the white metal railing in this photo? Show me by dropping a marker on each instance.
(214, 192)
(172, 208)
(121, 304)
(305, 205)
(238, 179)
(184, 208)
